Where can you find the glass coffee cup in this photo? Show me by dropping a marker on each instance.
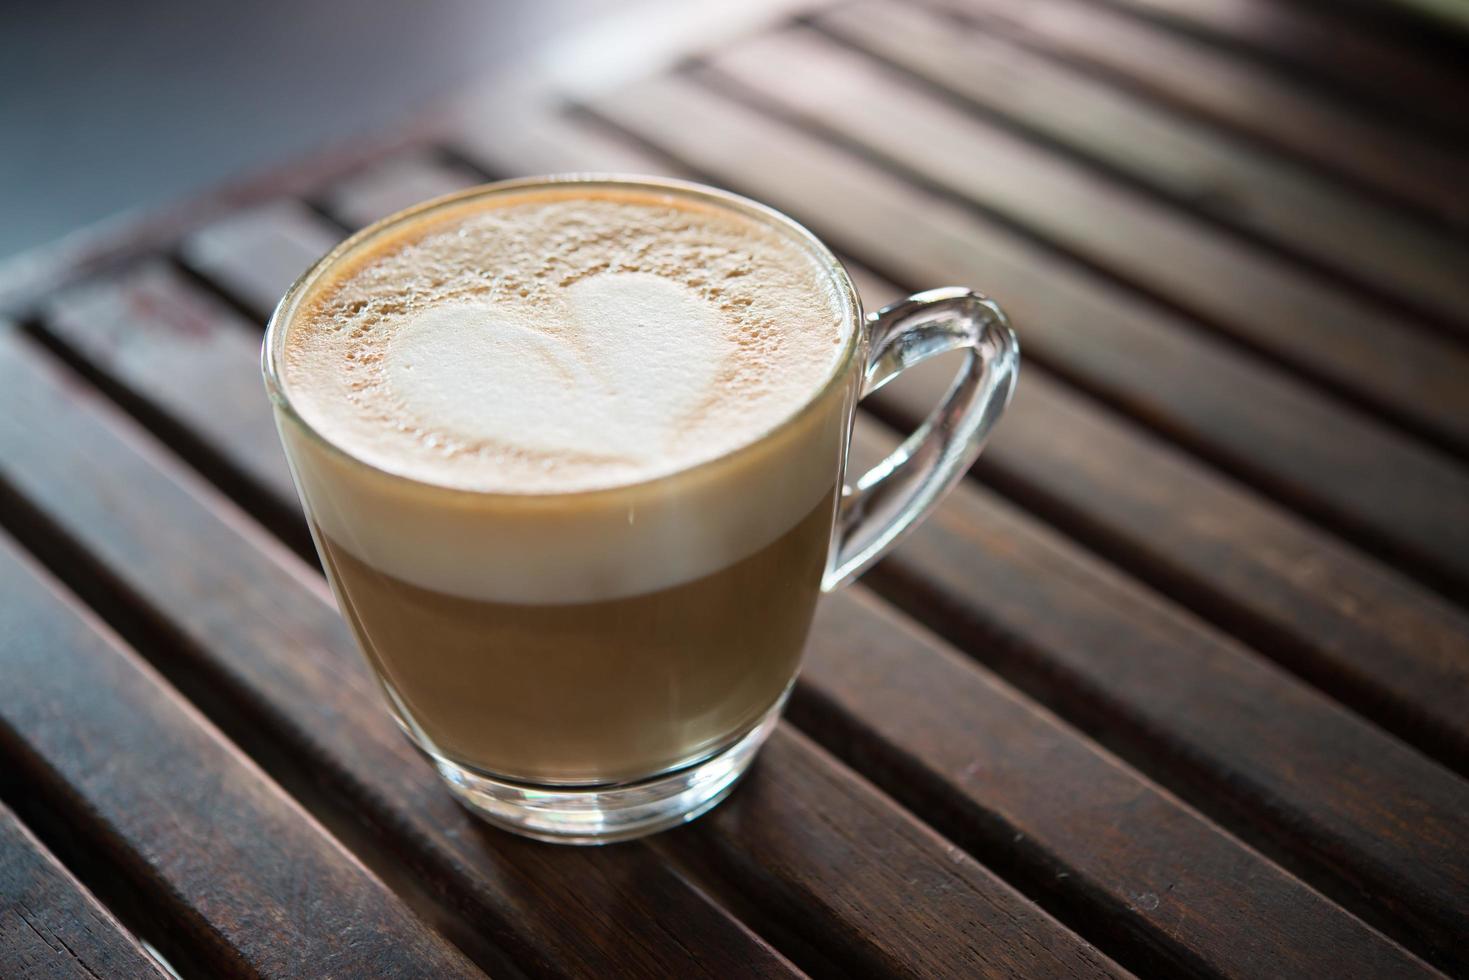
(592, 663)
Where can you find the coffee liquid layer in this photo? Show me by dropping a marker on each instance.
(597, 691)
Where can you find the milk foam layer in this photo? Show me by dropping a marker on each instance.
(552, 343)
(531, 362)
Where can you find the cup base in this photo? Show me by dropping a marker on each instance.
(607, 814)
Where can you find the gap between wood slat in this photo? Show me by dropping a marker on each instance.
(1214, 86)
(1381, 254)
(181, 894)
(52, 927)
(1429, 420)
(1362, 71)
(259, 500)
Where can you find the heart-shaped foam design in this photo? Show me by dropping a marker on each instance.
(639, 355)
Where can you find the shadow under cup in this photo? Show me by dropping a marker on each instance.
(595, 665)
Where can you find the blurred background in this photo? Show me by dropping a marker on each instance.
(106, 107)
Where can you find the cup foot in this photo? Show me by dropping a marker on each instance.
(606, 814)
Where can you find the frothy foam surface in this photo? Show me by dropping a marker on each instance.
(563, 339)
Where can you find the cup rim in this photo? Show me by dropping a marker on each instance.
(276, 327)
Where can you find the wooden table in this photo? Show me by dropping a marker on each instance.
(1177, 683)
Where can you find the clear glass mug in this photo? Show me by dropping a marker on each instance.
(599, 665)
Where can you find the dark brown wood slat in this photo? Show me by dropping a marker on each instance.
(890, 897)
(1364, 348)
(1399, 81)
(51, 927)
(228, 867)
(1343, 621)
(1186, 161)
(1377, 825)
(1288, 910)
(392, 184)
(249, 632)
(1110, 851)
(1351, 627)
(1407, 502)
(340, 731)
(254, 254)
(171, 350)
(1233, 92)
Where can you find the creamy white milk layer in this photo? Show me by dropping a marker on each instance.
(540, 377)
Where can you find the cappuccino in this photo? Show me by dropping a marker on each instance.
(568, 453)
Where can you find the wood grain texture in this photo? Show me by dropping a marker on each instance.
(249, 632)
(254, 254)
(1289, 314)
(229, 869)
(1404, 501)
(51, 927)
(1372, 822)
(1230, 91)
(360, 752)
(828, 860)
(1189, 163)
(1314, 45)
(169, 351)
(1112, 853)
(1393, 651)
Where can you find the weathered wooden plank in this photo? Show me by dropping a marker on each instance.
(1281, 911)
(1314, 44)
(51, 927)
(1233, 92)
(1375, 824)
(1393, 651)
(822, 856)
(1186, 161)
(230, 868)
(1106, 849)
(1406, 502)
(1363, 348)
(254, 254)
(392, 184)
(1346, 623)
(170, 351)
(281, 656)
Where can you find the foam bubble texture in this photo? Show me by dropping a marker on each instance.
(559, 341)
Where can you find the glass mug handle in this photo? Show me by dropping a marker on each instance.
(889, 499)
